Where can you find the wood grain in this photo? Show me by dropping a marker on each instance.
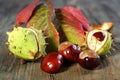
(97, 11)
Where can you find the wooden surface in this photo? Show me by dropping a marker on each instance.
(97, 11)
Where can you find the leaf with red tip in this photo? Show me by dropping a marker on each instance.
(79, 16)
(41, 19)
(73, 24)
(26, 13)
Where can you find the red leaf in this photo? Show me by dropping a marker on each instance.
(68, 18)
(79, 16)
(26, 13)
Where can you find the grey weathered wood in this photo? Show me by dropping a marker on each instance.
(96, 12)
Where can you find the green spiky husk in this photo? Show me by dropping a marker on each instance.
(41, 42)
(26, 43)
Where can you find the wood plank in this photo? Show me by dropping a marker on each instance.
(96, 12)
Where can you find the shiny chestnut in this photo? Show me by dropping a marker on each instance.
(52, 62)
(88, 59)
(69, 50)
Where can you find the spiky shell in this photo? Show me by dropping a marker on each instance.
(101, 47)
(26, 43)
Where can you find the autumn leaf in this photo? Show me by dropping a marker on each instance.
(24, 15)
(41, 20)
(79, 16)
(73, 24)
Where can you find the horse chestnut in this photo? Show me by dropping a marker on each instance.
(52, 62)
(88, 59)
(69, 51)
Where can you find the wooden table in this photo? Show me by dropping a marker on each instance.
(97, 11)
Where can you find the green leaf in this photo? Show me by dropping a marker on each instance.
(73, 35)
(41, 20)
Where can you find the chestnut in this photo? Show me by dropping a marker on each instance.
(52, 62)
(99, 36)
(88, 59)
(69, 50)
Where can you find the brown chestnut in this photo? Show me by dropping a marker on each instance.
(88, 59)
(52, 62)
(69, 51)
